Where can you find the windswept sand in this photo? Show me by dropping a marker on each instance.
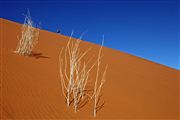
(30, 87)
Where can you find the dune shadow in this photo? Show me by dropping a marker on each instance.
(37, 55)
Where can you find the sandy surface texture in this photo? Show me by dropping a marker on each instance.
(30, 86)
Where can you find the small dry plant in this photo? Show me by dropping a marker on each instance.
(75, 73)
(29, 37)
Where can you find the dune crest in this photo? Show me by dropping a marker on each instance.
(30, 87)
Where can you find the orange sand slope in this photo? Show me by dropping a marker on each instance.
(31, 89)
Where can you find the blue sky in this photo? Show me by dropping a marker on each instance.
(145, 28)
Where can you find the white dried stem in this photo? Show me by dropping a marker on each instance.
(97, 88)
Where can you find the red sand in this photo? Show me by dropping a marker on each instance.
(30, 88)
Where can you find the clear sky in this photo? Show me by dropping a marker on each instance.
(145, 28)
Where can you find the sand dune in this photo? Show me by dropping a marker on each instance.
(30, 87)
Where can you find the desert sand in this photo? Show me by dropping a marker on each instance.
(30, 86)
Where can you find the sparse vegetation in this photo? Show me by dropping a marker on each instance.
(75, 73)
(29, 37)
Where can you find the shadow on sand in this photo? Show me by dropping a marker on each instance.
(37, 55)
(86, 99)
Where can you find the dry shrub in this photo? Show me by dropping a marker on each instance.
(29, 37)
(75, 72)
